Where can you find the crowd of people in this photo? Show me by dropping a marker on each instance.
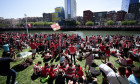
(70, 48)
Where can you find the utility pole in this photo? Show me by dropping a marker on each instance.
(26, 23)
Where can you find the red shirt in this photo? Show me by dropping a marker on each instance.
(80, 72)
(72, 49)
(102, 48)
(45, 71)
(33, 45)
(60, 67)
(51, 73)
(107, 52)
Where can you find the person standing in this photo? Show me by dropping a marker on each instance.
(5, 68)
(72, 52)
(89, 57)
(33, 47)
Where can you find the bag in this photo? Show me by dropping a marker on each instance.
(44, 79)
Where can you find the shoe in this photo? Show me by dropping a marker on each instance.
(16, 82)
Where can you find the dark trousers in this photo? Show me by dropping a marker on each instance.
(125, 52)
(10, 73)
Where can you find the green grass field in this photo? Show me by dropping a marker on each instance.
(24, 77)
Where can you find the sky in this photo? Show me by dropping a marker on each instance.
(35, 8)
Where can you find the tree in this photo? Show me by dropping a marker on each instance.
(124, 23)
(89, 23)
(3, 25)
(78, 23)
(139, 23)
(131, 22)
(128, 22)
(110, 22)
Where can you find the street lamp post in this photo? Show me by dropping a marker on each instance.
(26, 23)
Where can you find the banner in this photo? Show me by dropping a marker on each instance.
(55, 26)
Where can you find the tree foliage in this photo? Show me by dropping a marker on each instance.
(37, 23)
(110, 22)
(3, 25)
(128, 22)
(139, 23)
(89, 23)
(78, 23)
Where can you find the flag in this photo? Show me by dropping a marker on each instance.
(29, 25)
(55, 26)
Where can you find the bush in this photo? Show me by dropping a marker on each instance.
(89, 23)
(110, 22)
(124, 23)
(78, 23)
(128, 22)
(139, 23)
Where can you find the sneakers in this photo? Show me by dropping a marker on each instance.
(16, 82)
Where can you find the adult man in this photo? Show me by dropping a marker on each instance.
(33, 47)
(89, 57)
(5, 68)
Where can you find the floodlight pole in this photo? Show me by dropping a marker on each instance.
(26, 23)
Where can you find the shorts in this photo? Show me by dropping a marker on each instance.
(33, 51)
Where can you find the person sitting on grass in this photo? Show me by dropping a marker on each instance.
(37, 69)
(47, 56)
(5, 68)
(45, 70)
(70, 72)
(60, 77)
(45, 73)
(52, 72)
(79, 73)
(62, 66)
(89, 79)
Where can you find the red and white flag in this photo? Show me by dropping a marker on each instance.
(55, 26)
(29, 25)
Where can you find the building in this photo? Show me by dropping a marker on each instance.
(129, 16)
(55, 17)
(47, 17)
(126, 3)
(87, 16)
(120, 15)
(32, 19)
(99, 18)
(135, 8)
(60, 15)
(117, 17)
(70, 9)
(79, 19)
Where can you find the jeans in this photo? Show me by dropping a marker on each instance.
(10, 73)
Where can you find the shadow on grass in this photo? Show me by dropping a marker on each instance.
(57, 59)
(94, 65)
(52, 61)
(34, 77)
